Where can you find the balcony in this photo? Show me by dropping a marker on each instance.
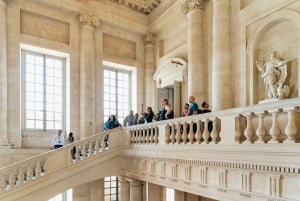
(249, 153)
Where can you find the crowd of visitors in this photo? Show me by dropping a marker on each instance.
(166, 112)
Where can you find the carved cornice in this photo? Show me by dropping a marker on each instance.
(141, 6)
(149, 39)
(88, 19)
(190, 5)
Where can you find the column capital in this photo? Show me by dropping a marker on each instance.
(149, 39)
(190, 5)
(88, 19)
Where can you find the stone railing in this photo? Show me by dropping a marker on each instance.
(264, 123)
(47, 163)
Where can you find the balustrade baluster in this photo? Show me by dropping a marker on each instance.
(167, 134)
(291, 129)
(38, 169)
(178, 133)
(21, 177)
(249, 133)
(191, 135)
(173, 139)
(132, 135)
(136, 136)
(97, 147)
(12, 181)
(156, 135)
(83, 151)
(90, 149)
(215, 133)
(2, 183)
(261, 130)
(184, 133)
(206, 134)
(151, 135)
(77, 156)
(140, 135)
(275, 129)
(29, 174)
(104, 143)
(199, 132)
(144, 139)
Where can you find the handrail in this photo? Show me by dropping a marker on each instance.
(31, 169)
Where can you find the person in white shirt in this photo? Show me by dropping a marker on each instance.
(58, 140)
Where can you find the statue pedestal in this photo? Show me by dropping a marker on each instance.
(269, 100)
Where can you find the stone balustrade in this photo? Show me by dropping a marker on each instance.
(22, 173)
(275, 122)
(32, 169)
(210, 151)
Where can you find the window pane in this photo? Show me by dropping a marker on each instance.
(30, 123)
(39, 124)
(30, 115)
(43, 99)
(29, 59)
(50, 125)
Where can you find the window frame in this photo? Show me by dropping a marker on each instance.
(24, 52)
(129, 73)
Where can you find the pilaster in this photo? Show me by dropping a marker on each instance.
(136, 190)
(3, 76)
(87, 73)
(124, 189)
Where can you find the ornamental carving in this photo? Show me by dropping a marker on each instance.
(149, 39)
(190, 5)
(91, 20)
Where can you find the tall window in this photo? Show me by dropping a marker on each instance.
(170, 194)
(111, 188)
(43, 92)
(117, 93)
(65, 196)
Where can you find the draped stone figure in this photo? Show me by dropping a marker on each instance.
(274, 73)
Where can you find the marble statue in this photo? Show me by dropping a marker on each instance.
(274, 73)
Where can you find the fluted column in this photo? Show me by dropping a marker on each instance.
(87, 74)
(136, 190)
(197, 71)
(149, 85)
(221, 63)
(3, 75)
(124, 189)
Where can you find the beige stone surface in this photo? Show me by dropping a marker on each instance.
(250, 29)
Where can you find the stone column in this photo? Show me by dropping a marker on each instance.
(124, 189)
(136, 190)
(87, 74)
(3, 75)
(149, 85)
(197, 70)
(222, 97)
